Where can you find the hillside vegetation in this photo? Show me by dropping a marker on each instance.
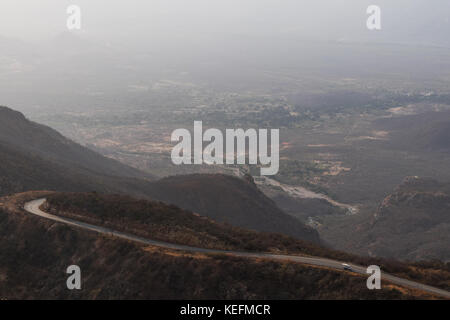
(158, 221)
(35, 254)
(231, 200)
(167, 223)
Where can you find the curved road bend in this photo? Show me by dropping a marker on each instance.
(33, 207)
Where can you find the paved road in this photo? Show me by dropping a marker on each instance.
(33, 207)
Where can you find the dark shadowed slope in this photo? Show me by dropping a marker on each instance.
(229, 199)
(20, 171)
(32, 138)
(413, 222)
(159, 221)
(36, 157)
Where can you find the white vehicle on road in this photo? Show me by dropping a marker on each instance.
(347, 267)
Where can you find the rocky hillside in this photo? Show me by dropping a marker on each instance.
(413, 222)
(35, 253)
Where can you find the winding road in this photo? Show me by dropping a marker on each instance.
(33, 207)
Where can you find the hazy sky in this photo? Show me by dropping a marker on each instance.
(408, 20)
(218, 43)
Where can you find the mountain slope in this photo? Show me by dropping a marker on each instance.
(231, 200)
(413, 222)
(20, 171)
(30, 137)
(167, 223)
(35, 157)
